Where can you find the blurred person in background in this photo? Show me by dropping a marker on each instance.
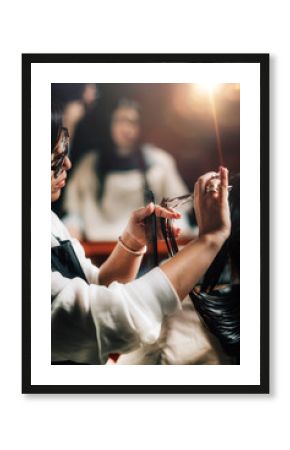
(108, 183)
(75, 110)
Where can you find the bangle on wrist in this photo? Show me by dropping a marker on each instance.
(129, 250)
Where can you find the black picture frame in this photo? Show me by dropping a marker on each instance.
(263, 61)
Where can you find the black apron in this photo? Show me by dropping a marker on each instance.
(65, 261)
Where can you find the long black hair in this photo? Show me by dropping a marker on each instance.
(109, 160)
(56, 124)
(220, 308)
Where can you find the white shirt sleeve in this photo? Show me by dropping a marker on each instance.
(90, 321)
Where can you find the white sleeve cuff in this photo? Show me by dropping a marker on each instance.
(156, 291)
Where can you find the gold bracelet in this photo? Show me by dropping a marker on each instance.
(129, 250)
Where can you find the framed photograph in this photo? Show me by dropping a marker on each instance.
(126, 130)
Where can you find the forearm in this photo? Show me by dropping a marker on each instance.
(121, 266)
(187, 267)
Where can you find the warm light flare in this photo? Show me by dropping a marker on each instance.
(209, 87)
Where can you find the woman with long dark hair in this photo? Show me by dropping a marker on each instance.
(108, 184)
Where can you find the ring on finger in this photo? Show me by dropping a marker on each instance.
(211, 188)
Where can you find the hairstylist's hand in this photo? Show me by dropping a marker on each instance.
(134, 235)
(211, 206)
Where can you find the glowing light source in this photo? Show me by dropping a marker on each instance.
(208, 86)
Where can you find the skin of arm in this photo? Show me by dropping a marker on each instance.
(121, 266)
(188, 265)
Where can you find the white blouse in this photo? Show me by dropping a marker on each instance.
(89, 321)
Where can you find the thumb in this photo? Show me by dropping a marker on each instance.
(141, 213)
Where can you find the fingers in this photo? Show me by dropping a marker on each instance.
(224, 177)
(203, 180)
(141, 213)
(196, 201)
(167, 213)
(213, 183)
(176, 231)
(195, 194)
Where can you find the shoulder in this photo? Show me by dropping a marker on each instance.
(86, 164)
(84, 173)
(155, 155)
(55, 221)
(58, 229)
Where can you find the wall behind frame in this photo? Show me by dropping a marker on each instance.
(220, 422)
